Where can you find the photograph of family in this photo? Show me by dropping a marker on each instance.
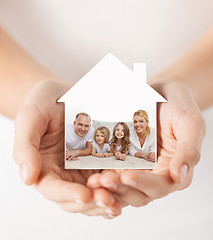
(98, 144)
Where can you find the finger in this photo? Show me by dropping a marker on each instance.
(125, 193)
(151, 158)
(190, 131)
(107, 212)
(103, 198)
(68, 158)
(103, 204)
(152, 185)
(182, 161)
(61, 191)
(29, 128)
(77, 207)
(94, 181)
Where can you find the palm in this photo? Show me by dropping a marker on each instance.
(42, 142)
(50, 119)
(180, 133)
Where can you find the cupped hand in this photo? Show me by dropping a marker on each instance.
(181, 129)
(39, 153)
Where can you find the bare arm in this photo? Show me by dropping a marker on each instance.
(19, 73)
(109, 154)
(95, 154)
(141, 155)
(194, 69)
(93, 151)
(30, 92)
(113, 151)
(87, 151)
(181, 129)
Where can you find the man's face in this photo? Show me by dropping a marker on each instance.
(81, 125)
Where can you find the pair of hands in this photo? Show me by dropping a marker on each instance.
(72, 155)
(103, 155)
(39, 153)
(120, 156)
(147, 156)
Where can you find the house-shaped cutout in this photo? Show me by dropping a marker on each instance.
(110, 91)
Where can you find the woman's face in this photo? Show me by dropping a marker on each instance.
(119, 131)
(140, 124)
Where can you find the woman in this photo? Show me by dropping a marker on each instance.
(142, 137)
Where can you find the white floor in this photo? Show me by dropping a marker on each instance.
(25, 214)
(90, 162)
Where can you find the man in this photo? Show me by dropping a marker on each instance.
(79, 137)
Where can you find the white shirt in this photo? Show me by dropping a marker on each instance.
(73, 141)
(118, 148)
(148, 146)
(105, 149)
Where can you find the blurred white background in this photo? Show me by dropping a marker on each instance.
(69, 38)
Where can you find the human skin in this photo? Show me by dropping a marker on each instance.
(39, 152)
(140, 125)
(119, 133)
(32, 93)
(181, 129)
(175, 166)
(81, 128)
(99, 138)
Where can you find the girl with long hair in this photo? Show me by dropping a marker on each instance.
(119, 143)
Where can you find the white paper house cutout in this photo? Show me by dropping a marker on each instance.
(111, 92)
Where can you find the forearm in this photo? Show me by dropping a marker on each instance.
(194, 69)
(138, 154)
(110, 154)
(19, 73)
(94, 153)
(85, 152)
(113, 151)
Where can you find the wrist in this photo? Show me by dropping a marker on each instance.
(77, 153)
(163, 85)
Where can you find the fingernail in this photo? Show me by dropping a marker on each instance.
(109, 211)
(79, 201)
(24, 172)
(183, 172)
(110, 216)
(100, 204)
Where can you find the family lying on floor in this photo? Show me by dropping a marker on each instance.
(138, 141)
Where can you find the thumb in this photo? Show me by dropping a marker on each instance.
(189, 135)
(183, 160)
(26, 145)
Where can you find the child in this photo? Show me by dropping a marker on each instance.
(100, 145)
(119, 143)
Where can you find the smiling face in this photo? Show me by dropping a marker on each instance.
(81, 125)
(140, 124)
(119, 132)
(99, 137)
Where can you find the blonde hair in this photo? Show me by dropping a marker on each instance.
(125, 141)
(103, 130)
(143, 113)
